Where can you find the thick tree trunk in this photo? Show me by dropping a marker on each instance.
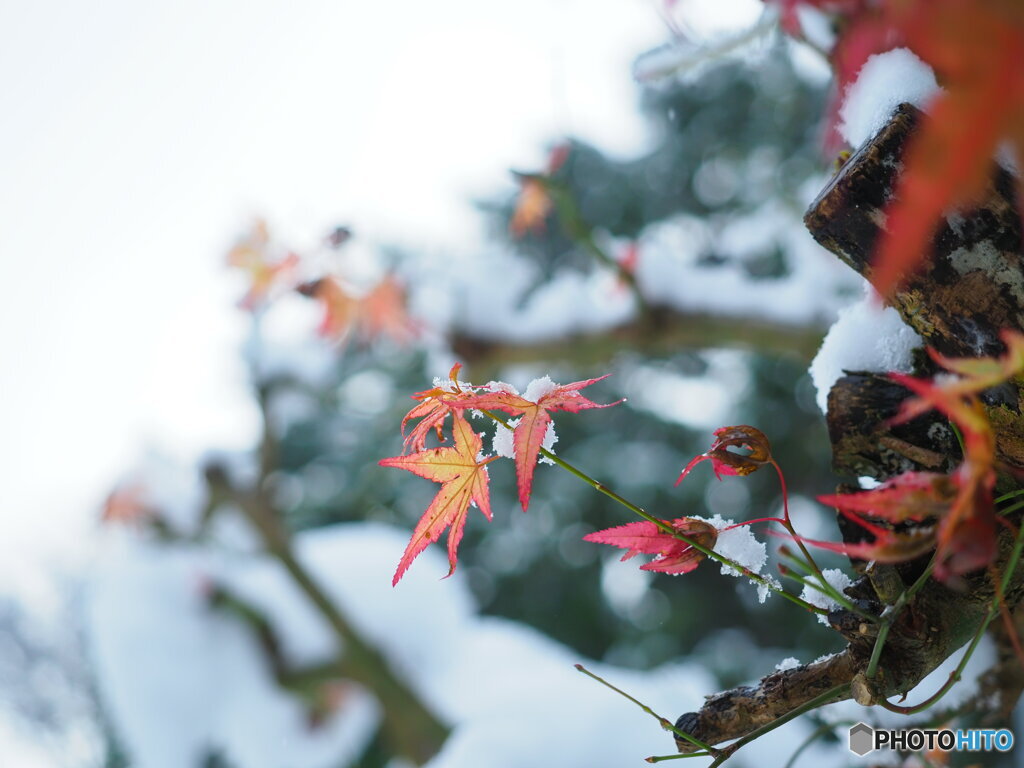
(970, 289)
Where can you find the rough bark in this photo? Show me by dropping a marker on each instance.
(970, 289)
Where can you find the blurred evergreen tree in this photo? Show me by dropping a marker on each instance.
(734, 138)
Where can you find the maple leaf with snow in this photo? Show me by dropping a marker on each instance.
(672, 555)
(464, 482)
(534, 407)
(432, 410)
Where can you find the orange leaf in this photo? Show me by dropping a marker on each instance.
(383, 312)
(910, 496)
(464, 481)
(434, 406)
(532, 207)
(252, 254)
(528, 435)
(341, 309)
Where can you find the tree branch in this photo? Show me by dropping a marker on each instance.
(661, 331)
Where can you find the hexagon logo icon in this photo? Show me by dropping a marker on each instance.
(862, 739)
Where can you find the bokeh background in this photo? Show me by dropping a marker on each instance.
(141, 142)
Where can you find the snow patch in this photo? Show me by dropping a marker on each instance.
(885, 81)
(864, 338)
(837, 580)
(737, 542)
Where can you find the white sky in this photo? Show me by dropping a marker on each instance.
(138, 138)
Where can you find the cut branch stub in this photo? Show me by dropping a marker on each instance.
(864, 444)
(971, 287)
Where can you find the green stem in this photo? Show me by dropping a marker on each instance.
(890, 615)
(832, 593)
(583, 234)
(1011, 567)
(1011, 508)
(1010, 495)
(788, 524)
(663, 758)
(816, 734)
(662, 721)
(959, 437)
(662, 525)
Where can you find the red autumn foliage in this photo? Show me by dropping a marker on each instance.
(672, 555)
(726, 462)
(528, 435)
(960, 505)
(976, 48)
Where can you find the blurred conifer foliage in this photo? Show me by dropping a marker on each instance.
(724, 144)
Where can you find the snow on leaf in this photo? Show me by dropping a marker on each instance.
(725, 462)
(530, 433)
(672, 555)
(434, 406)
(464, 480)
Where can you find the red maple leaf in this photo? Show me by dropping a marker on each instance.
(528, 435)
(977, 50)
(726, 462)
(974, 376)
(671, 554)
(966, 534)
(463, 477)
(911, 496)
